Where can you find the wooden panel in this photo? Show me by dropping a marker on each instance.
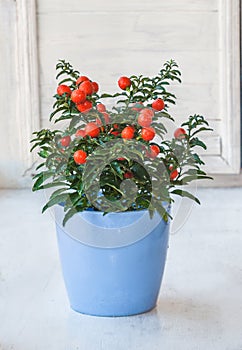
(190, 100)
(108, 39)
(9, 145)
(230, 82)
(106, 64)
(189, 33)
(46, 6)
(19, 99)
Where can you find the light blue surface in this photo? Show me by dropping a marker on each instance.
(114, 281)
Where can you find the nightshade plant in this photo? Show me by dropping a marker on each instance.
(87, 163)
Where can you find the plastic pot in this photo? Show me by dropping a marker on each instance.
(112, 265)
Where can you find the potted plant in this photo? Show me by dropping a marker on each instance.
(115, 175)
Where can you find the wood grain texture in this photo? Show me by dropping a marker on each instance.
(9, 160)
(126, 6)
(108, 39)
(230, 82)
(19, 99)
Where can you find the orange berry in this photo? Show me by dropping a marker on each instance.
(128, 133)
(144, 120)
(92, 129)
(147, 112)
(78, 96)
(154, 151)
(174, 173)
(106, 117)
(101, 108)
(137, 106)
(80, 157)
(147, 134)
(65, 141)
(116, 133)
(158, 104)
(95, 86)
(80, 133)
(81, 79)
(84, 107)
(124, 82)
(180, 133)
(86, 86)
(63, 89)
(128, 175)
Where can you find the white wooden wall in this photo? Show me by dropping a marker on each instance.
(9, 150)
(106, 39)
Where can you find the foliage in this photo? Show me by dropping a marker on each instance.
(99, 183)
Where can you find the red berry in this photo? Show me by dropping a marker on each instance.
(154, 151)
(116, 133)
(144, 120)
(124, 83)
(137, 106)
(158, 104)
(121, 159)
(180, 133)
(173, 174)
(80, 157)
(85, 106)
(65, 141)
(106, 117)
(63, 89)
(101, 108)
(86, 86)
(80, 133)
(81, 79)
(147, 112)
(115, 126)
(92, 129)
(95, 86)
(78, 96)
(128, 175)
(98, 122)
(147, 134)
(128, 133)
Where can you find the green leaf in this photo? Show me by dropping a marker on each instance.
(200, 130)
(60, 190)
(68, 215)
(64, 117)
(197, 159)
(56, 111)
(196, 142)
(52, 184)
(55, 200)
(43, 154)
(40, 166)
(190, 178)
(41, 177)
(183, 193)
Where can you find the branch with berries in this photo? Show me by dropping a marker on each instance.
(129, 140)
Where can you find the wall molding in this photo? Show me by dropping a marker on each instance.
(27, 112)
(229, 61)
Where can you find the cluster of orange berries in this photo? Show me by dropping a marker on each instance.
(85, 87)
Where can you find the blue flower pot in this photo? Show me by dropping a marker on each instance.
(113, 264)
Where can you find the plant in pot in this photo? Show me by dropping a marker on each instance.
(114, 175)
